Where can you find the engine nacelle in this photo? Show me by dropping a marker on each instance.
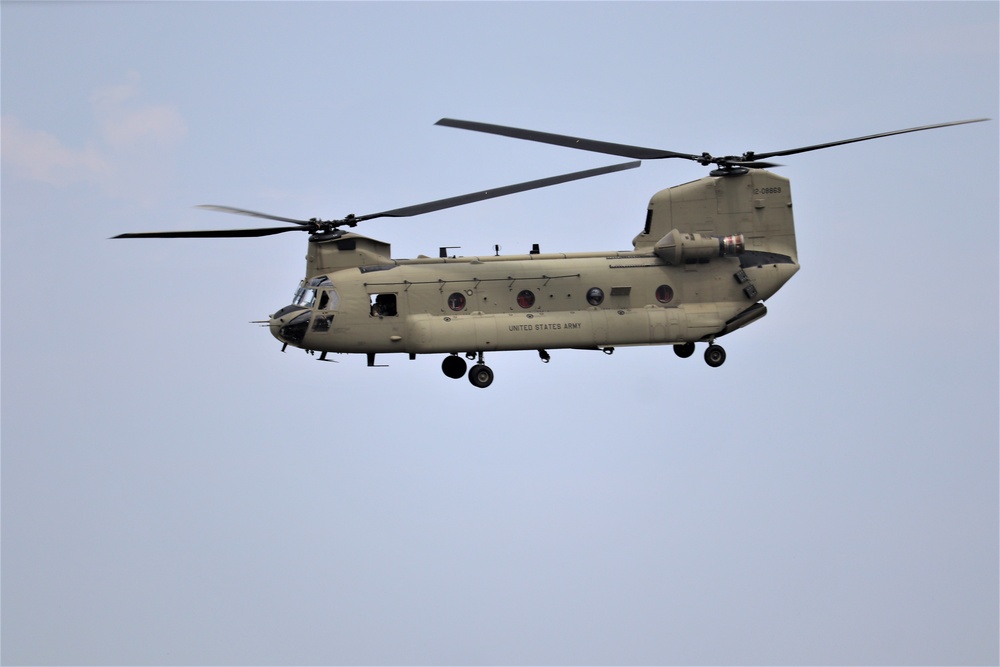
(680, 248)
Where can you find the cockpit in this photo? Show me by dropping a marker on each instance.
(318, 288)
(291, 323)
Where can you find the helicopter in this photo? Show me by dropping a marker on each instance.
(711, 252)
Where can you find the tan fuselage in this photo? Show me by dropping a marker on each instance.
(702, 299)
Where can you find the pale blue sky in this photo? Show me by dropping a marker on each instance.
(177, 491)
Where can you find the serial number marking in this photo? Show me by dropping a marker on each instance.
(767, 191)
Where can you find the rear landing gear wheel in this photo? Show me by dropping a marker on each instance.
(684, 350)
(454, 366)
(715, 356)
(481, 376)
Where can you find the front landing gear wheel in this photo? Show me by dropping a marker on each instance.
(715, 356)
(481, 376)
(454, 366)
(684, 350)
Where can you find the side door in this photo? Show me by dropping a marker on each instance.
(327, 303)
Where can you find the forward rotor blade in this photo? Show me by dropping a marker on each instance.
(622, 150)
(755, 164)
(212, 234)
(440, 204)
(253, 214)
(805, 149)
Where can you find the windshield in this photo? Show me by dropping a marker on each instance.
(304, 297)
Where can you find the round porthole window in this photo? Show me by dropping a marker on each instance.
(595, 296)
(664, 294)
(456, 301)
(526, 298)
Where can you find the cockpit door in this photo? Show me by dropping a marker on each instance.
(327, 302)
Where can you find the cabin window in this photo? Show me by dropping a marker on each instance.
(595, 296)
(526, 298)
(664, 294)
(384, 305)
(456, 301)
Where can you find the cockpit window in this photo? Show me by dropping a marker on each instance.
(328, 299)
(304, 297)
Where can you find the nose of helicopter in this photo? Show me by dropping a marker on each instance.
(289, 325)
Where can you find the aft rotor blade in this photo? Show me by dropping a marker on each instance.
(212, 234)
(498, 192)
(253, 214)
(622, 150)
(805, 149)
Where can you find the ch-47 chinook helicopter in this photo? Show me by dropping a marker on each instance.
(711, 252)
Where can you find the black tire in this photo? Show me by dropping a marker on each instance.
(715, 356)
(684, 350)
(454, 366)
(481, 376)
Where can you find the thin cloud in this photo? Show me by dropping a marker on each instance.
(125, 125)
(40, 156)
(129, 157)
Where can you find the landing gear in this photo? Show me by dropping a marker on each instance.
(454, 366)
(715, 355)
(481, 375)
(684, 350)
